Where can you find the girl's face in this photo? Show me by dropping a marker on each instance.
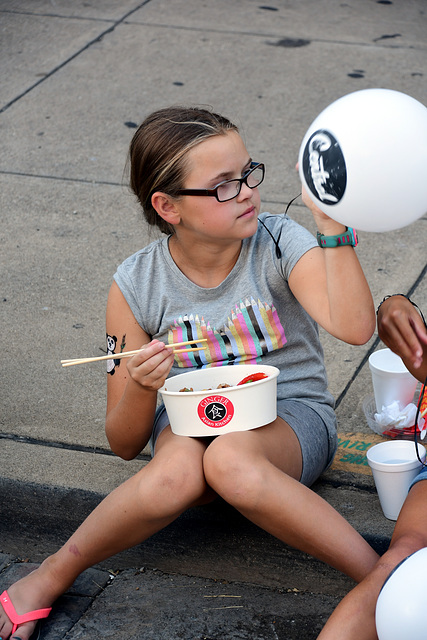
(214, 160)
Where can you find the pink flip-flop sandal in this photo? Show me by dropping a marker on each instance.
(17, 619)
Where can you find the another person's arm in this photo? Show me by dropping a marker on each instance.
(401, 328)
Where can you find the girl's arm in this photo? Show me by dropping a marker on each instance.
(402, 329)
(132, 389)
(331, 286)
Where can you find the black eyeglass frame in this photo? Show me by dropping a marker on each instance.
(213, 192)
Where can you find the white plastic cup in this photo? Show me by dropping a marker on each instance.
(394, 465)
(391, 379)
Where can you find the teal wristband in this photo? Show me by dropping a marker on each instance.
(349, 237)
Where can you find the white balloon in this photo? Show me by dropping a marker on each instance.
(401, 606)
(363, 160)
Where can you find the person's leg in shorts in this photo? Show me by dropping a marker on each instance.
(318, 444)
(259, 471)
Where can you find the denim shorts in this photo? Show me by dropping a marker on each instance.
(421, 476)
(317, 446)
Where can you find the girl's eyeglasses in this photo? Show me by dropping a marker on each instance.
(230, 189)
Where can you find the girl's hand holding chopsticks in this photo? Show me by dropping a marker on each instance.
(150, 367)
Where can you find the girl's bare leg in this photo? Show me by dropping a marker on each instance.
(171, 482)
(257, 472)
(354, 618)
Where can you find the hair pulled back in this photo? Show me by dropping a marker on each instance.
(158, 152)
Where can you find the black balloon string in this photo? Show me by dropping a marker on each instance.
(420, 399)
(277, 240)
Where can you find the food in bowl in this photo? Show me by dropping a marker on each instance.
(253, 378)
(224, 385)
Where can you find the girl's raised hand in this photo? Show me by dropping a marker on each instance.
(325, 224)
(150, 367)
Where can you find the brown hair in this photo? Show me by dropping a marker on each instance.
(159, 148)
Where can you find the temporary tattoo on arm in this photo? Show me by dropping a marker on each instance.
(111, 349)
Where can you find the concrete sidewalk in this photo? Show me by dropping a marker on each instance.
(76, 79)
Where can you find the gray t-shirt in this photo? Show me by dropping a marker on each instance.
(251, 317)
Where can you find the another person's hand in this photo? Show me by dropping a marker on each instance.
(402, 329)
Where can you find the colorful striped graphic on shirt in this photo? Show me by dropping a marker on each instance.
(252, 329)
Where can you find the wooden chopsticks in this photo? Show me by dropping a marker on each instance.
(128, 354)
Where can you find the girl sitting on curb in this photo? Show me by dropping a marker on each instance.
(196, 181)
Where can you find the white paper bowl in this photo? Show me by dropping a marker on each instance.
(216, 411)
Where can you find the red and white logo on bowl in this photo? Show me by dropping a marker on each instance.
(215, 411)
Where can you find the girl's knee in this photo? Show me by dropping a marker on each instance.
(176, 479)
(236, 476)
(221, 459)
